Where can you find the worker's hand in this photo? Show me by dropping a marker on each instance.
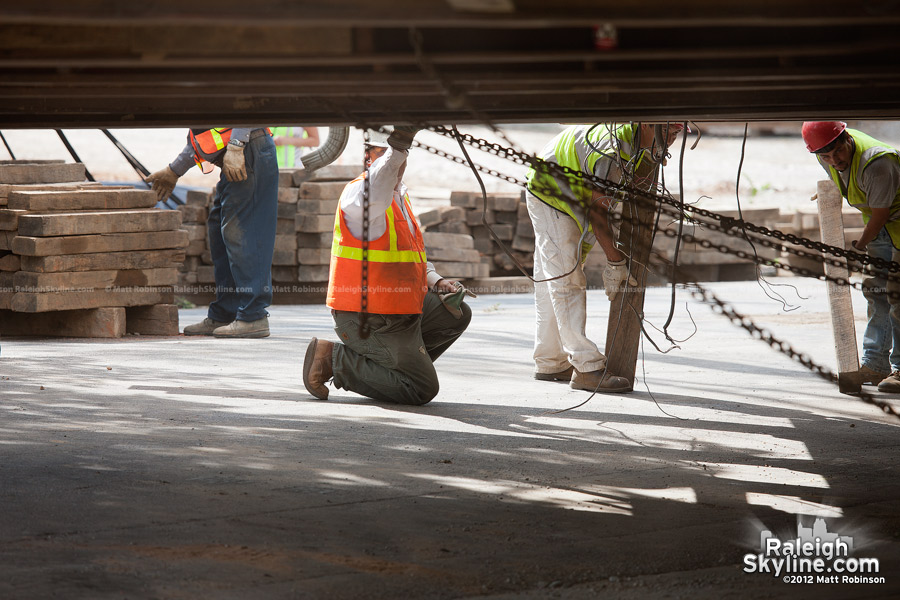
(162, 182)
(451, 286)
(402, 137)
(855, 245)
(233, 165)
(614, 276)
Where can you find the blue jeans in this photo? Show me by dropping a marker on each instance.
(881, 341)
(241, 226)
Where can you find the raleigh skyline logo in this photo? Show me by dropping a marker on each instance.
(814, 556)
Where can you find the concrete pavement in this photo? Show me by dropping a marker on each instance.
(200, 468)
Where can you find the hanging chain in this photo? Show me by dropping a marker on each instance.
(364, 327)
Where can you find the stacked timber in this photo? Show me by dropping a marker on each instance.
(504, 218)
(83, 259)
(196, 273)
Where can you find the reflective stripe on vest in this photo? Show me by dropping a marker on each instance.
(396, 267)
(865, 151)
(287, 155)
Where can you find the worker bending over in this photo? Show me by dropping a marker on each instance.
(414, 314)
(867, 172)
(241, 225)
(568, 217)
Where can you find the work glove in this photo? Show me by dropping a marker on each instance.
(452, 301)
(614, 276)
(162, 182)
(233, 166)
(402, 137)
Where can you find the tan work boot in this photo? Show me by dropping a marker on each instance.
(563, 376)
(891, 383)
(244, 329)
(600, 381)
(204, 327)
(870, 376)
(318, 367)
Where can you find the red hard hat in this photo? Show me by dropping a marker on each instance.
(818, 134)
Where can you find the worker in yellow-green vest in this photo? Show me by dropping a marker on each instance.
(291, 143)
(867, 172)
(569, 215)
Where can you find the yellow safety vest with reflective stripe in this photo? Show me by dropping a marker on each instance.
(866, 150)
(396, 280)
(287, 155)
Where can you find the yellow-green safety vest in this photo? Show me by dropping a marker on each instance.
(287, 155)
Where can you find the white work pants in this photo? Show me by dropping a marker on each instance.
(561, 304)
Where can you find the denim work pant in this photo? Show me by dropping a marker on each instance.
(241, 227)
(881, 341)
(561, 304)
(396, 362)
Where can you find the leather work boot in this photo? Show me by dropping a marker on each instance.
(870, 376)
(600, 381)
(891, 383)
(562, 376)
(204, 327)
(244, 329)
(318, 367)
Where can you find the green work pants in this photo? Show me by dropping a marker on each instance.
(396, 362)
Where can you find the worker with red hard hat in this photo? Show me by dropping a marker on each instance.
(867, 172)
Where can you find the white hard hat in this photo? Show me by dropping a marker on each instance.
(377, 139)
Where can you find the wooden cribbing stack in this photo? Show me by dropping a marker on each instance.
(831, 228)
(83, 259)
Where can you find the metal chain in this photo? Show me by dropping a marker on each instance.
(364, 327)
(720, 307)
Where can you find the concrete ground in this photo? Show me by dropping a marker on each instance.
(184, 468)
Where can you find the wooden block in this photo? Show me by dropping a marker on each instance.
(83, 244)
(504, 232)
(94, 323)
(503, 202)
(501, 285)
(26, 281)
(10, 262)
(283, 226)
(85, 223)
(288, 195)
(9, 218)
(317, 207)
(6, 239)
(197, 198)
(429, 218)
(458, 227)
(286, 242)
(314, 256)
(206, 274)
(32, 302)
(286, 210)
(312, 273)
(193, 213)
(465, 199)
(523, 244)
(6, 189)
(322, 190)
(452, 214)
(477, 217)
(525, 229)
(7, 289)
(314, 223)
(284, 257)
(160, 319)
(280, 273)
(486, 246)
(190, 264)
(34, 172)
(86, 199)
(286, 177)
(196, 247)
(315, 240)
(343, 173)
(506, 217)
(140, 259)
(454, 254)
(505, 262)
(435, 239)
(195, 232)
(461, 270)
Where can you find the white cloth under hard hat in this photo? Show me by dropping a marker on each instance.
(561, 304)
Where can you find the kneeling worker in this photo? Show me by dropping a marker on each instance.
(414, 314)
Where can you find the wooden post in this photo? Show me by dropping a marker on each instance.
(623, 331)
(831, 227)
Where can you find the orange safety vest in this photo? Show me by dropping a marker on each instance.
(208, 145)
(397, 282)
